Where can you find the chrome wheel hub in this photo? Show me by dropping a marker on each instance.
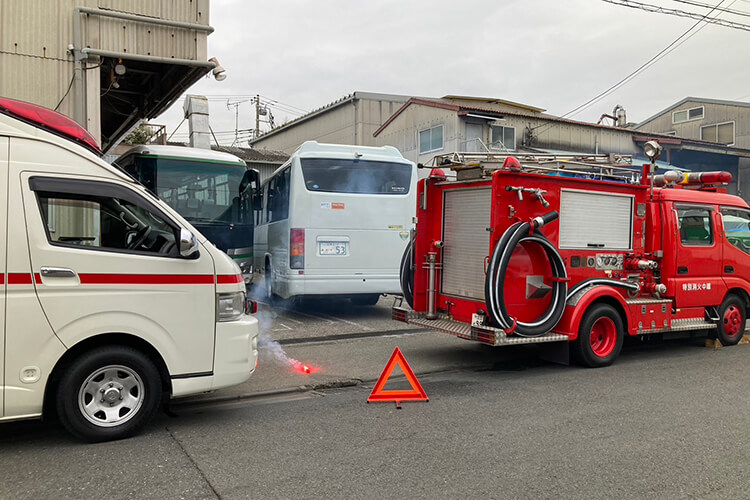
(111, 395)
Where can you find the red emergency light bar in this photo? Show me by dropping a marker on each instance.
(692, 178)
(49, 120)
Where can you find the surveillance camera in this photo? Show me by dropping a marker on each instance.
(220, 74)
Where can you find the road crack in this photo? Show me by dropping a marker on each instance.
(195, 464)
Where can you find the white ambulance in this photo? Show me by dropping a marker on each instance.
(110, 300)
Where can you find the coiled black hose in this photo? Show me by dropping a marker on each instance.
(498, 266)
(406, 273)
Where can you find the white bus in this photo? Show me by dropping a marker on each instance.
(335, 220)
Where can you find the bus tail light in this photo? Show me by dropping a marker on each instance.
(297, 248)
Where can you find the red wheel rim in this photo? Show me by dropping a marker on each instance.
(603, 337)
(732, 321)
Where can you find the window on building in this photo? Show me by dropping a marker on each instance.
(723, 133)
(503, 138)
(686, 115)
(431, 139)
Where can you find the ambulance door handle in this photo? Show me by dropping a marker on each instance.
(728, 269)
(58, 272)
(682, 270)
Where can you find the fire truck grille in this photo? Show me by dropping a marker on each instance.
(466, 218)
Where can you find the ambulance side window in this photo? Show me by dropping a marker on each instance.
(92, 219)
(695, 226)
(737, 227)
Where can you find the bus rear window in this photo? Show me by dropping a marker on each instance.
(356, 176)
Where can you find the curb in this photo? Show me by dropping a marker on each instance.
(354, 382)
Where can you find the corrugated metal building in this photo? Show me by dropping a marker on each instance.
(350, 120)
(105, 63)
(423, 128)
(725, 122)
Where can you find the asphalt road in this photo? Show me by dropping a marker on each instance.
(292, 320)
(665, 421)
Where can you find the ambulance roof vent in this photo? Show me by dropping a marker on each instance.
(49, 120)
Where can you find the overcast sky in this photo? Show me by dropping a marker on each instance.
(552, 54)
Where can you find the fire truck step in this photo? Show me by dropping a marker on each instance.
(484, 334)
(682, 325)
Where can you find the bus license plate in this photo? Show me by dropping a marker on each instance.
(333, 247)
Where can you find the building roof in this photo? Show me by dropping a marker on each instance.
(248, 155)
(251, 156)
(694, 99)
(335, 104)
(493, 100)
(466, 110)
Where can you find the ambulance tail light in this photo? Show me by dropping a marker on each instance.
(49, 120)
(297, 248)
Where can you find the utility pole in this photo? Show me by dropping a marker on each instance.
(257, 115)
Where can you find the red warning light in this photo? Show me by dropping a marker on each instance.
(302, 368)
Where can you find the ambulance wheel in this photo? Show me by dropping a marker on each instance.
(600, 336)
(108, 393)
(731, 324)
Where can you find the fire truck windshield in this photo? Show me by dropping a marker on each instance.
(356, 176)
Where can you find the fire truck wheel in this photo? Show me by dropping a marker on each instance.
(731, 324)
(108, 393)
(600, 336)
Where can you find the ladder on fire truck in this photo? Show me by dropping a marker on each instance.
(608, 167)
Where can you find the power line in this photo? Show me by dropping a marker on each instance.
(720, 9)
(681, 13)
(678, 41)
(274, 101)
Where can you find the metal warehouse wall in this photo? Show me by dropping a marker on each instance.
(350, 122)
(35, 35)
(333, 126)
(712, 114)
(403, 131)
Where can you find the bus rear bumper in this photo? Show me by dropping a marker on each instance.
(339, 285)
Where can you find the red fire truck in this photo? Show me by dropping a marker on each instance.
(576, 251)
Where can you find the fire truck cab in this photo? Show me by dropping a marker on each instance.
(579, 249)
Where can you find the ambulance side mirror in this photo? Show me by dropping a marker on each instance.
(188, 244)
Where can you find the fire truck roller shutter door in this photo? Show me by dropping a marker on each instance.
(498, 266)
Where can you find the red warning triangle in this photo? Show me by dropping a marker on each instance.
(416, 394)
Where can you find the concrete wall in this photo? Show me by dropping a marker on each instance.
(712, 114)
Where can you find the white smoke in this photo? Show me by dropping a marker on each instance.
(270, 346)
